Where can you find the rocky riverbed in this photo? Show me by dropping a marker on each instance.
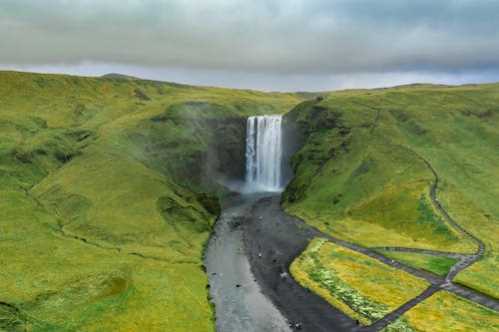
(247, 262)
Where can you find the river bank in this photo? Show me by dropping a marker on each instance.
(239, 301)
(272, 239)
(247, 262)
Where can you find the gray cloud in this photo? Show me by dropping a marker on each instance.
(285, 38)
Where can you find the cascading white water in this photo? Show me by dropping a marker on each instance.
(264, 153)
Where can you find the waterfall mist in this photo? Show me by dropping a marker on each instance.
(264, 153)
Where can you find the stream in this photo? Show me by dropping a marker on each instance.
(240, 304)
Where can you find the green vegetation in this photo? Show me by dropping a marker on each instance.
(444, 312)
(360, 174)
(108, 195)
(436, 264)
(362, 287)
(483, 275)
(104, 204)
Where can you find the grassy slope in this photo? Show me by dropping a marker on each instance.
(359, 176)
(101, 225)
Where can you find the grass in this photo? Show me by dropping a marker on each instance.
(483, 275)
(64, 285)
(359, 175)
(360, 286)
(444, 311)
(435, 264)
(107, 194)
(105, 203)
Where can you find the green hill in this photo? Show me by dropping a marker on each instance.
(363, 173)
(105, 203)
(109, 189)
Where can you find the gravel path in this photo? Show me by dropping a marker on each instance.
(422, 251)
(468, 260)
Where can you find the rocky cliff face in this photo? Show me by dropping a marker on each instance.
(225, 156)
(197, 143)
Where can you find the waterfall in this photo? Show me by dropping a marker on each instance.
(264, 153)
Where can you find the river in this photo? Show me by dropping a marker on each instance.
(239, 302)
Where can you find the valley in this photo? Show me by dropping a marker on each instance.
(135, 205)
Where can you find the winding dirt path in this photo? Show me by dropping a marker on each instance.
(469, 259)
(464, 261)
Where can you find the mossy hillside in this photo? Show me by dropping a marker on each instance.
(56, 283)
(209, 138)
(360, 173)
(338, 162)
(103, 218)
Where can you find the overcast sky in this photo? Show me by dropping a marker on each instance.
(263, 44)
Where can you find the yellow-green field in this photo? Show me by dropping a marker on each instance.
(444, 312)
(102, 216)
(360, 286)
